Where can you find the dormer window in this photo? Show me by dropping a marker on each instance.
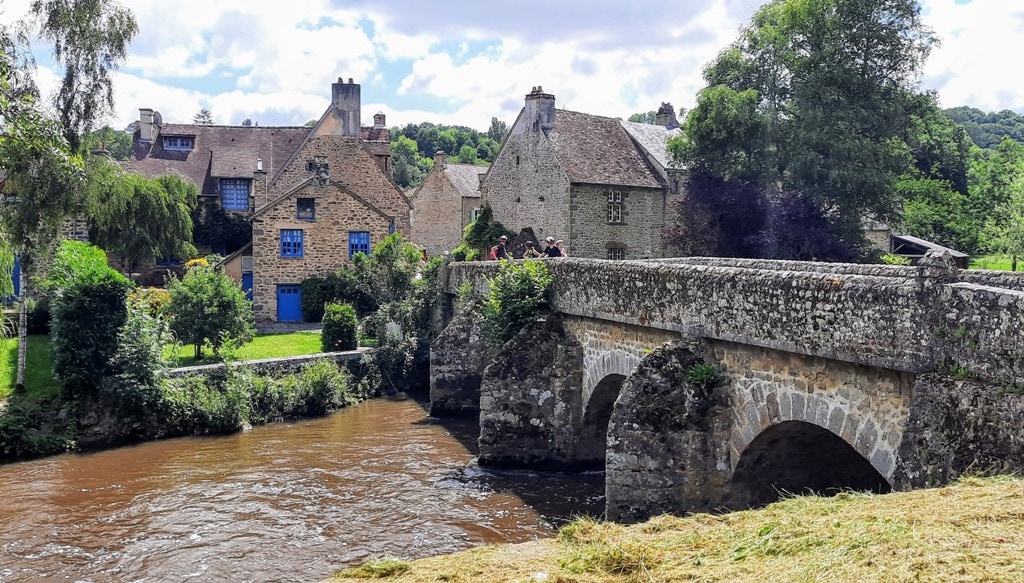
(182, 143)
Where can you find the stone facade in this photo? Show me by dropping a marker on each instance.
(556, 170)
(443, 204)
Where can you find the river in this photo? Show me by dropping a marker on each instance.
(282, 502)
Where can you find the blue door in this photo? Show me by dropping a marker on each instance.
(247, 285)
(289, 303)
(16, 280)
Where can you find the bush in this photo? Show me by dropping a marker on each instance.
(340, 288)
(339, 328)
(153, 299)
(88, 308)
(322, 386)
(208, 307)
(516, 294)
(39, 316)
(192, 405)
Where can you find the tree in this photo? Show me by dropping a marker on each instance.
(717, 218)
(467, 155)
(247, 122)
(408, 167)
(815, 100)
(203, 117)
(117, 144)
(43, 181)
(648, 117)
(208, 307)
(90, 40)
(497, 130)
(997, 190)
(139, 218)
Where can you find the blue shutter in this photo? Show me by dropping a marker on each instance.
(234, 194)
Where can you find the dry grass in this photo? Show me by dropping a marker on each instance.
(969, 532)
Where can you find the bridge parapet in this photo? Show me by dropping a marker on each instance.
(913, 319)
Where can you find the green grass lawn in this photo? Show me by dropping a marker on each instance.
(996, 262)
(39, 381)
(263, 346)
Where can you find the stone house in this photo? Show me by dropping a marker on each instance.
(602, 185)
(334, 197)
(446, 201)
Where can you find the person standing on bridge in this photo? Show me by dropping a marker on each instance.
(552, 250)
(561, 247)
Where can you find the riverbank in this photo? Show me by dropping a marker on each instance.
(972, 530)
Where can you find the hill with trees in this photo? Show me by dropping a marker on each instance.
(988, 129)
(413, 147)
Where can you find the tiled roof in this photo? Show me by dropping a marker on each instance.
(217, 152)
(465, 178)
(597, 150)
(654, 139)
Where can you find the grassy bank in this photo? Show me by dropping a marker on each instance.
(995, 262)
(970, 531)
(39, 381)
(262, 346)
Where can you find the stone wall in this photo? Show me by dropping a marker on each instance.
(956, 426)
(458, 357)
(639, 233)
(912, 319)
(325, 241)
(437, 224)
(527, 188)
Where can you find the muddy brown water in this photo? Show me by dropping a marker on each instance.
(282, 502)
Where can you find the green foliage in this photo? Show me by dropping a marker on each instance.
(321, 387)
(88, 310)
(414, 145)
(214, 228)
(987, 130)
(341, 287)
(141, 343)
(203, 117)
(465, 253)
(484, 231)
(117, 143)
(32, 430)
(517, 293)
(1000, 181)
(139, 218)
(387, 274)
(704, 375)
(208, 308)
(890, 259)
(646, 117)
(193, 405)
(90, 40)
(409, 168)
(340, 327)
(815, 101)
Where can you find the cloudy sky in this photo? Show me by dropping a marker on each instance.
(461, 63)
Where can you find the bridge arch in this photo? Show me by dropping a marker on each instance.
(796, 457)
(597, 412)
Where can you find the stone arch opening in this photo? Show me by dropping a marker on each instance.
(798, 457)
(597, 413)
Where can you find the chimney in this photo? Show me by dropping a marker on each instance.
(345, 97)
(440, 158)
(259, 185)
(378, 120)
(145, 124)
(666, 117)
(540, 109)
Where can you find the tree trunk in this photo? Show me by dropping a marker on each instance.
(19, 384)
(1013, 264)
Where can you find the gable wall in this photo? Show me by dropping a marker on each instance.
(643, 220)
(325, 242)
(537, 176)
(438, 214)
(355, 169)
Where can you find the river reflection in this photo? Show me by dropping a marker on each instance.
(283, 502)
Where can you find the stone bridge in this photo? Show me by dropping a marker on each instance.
(831, 376)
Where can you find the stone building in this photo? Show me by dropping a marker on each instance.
(602, 185)
(332, 199)
(447, 201)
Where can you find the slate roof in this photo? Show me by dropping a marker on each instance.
(597, 150)
(465, 178)
(654, 139)
(217, 152)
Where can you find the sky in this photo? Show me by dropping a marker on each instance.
(462, 63)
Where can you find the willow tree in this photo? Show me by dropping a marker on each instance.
(814, 101)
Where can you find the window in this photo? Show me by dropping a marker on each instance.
(474, 213)
(291, 242)
(615, 207)
(305, 209)
(616, 253)
(177, 143)
(234, 194)
(358, 242)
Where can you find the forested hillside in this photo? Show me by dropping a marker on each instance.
(987, 129)
(414, 145)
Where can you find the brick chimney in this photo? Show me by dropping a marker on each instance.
(345, 97)
(666, 117)
(440, 159)
(378, 120)
(146, 133)
(540, 110)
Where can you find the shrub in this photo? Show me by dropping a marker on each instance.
(891, 259)
(340, 287)
(88, 308)
(322, 386)
(193, 405)
(516, 294)
(339, 328)
(153, 299)
(39, 316)
(208, 307)
(704, 375)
